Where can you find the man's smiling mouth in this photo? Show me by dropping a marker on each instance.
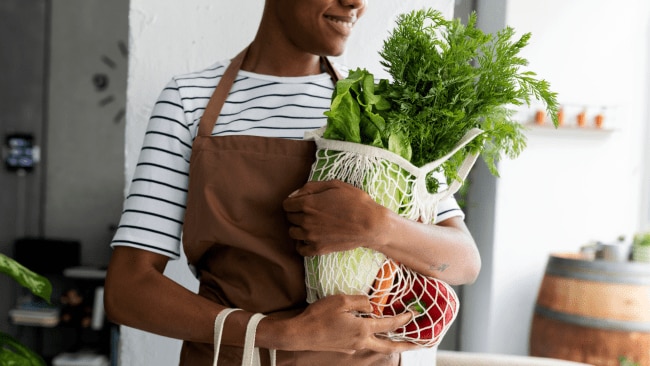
(347, 21)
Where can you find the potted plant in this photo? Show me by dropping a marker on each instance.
(12, 352)
(641, 247)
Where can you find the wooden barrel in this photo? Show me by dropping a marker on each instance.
(593, 311)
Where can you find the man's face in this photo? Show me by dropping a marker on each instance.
(318, 26)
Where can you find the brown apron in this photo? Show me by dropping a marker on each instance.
(236, 232)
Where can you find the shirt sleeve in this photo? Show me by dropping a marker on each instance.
(449, 208)
(154, 208)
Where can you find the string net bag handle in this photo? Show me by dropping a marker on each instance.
(390, 179)
(251, 355)
(464, 169)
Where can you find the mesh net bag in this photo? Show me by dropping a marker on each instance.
(392, 288)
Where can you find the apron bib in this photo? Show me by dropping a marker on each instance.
(237, 236)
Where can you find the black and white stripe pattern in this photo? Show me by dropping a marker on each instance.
(259, 105)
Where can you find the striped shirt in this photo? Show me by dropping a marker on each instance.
(259, 105)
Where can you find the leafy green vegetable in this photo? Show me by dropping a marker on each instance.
(351, 272)
(354, 115)
(447, 78)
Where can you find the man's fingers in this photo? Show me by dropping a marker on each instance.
(383, 344)
(390, 323)
(314, 187)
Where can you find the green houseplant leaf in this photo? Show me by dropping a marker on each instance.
(12, 352)
(37, 284)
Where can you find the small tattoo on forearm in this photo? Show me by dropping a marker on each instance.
(439, 267)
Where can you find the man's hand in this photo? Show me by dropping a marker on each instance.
(335, 324)
(332, 216)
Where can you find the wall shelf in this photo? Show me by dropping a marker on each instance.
(568, 129)
(574, 118)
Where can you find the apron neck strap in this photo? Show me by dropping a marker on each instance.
(334, 73)
(220, 94)
(213, 110)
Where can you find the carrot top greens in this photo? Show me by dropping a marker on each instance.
(447, 78)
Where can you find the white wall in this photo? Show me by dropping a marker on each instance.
(83, 156)
(169, 37)
(569, 186)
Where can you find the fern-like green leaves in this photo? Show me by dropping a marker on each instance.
(447, 78)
